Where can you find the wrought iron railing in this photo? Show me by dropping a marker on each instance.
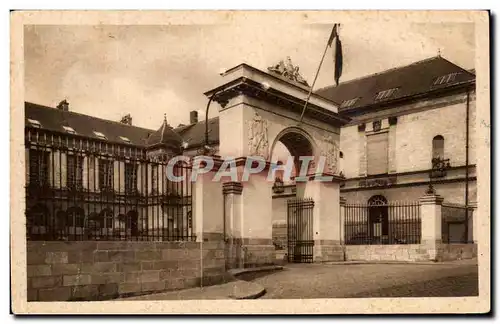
(127, 207)
(389, 223)
(439, 167)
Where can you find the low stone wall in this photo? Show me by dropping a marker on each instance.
(409, 252)
(258, 252)
(280, 238)
(65, 271)
(450, 252)
(406, 252)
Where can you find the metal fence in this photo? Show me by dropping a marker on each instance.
(382, 223)
(454, 222)
(82, 190)
(300, 230)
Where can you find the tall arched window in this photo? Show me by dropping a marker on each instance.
(438, 147)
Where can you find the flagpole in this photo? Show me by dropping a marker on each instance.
(314, 82)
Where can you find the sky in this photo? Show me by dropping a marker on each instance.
(109, 70)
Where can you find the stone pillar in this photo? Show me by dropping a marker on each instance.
(327, 223)
(232, 228)
(207, 208)
(256, 218)
(473, 224)
(362, 150)
(343, 202)
(430, 214)
(392, 144)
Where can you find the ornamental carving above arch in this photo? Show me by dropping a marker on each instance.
(258, 141)
(330, 150)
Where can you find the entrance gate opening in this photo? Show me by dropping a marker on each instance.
(300, 230)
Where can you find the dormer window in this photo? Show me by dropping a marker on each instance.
(349, 103)
(386, 94)
(34, 123)
(69, 130)
(100, 135)
(444, 79)
(125, 139)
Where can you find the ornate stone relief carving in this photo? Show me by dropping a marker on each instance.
(330, 151)
(288, 70)
(258, 141)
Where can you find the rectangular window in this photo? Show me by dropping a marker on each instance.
(75, 171)
(106, 173)
(386, 94)
(377, 155)
(154, 178)
(130, 178)
(444, 79)
(39, 167)
(349, 103)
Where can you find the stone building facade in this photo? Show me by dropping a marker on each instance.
(89, 176)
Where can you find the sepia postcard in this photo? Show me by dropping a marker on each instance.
(250, 162)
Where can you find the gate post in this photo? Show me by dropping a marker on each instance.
(208, 208)
(473, 224)
(232, 225)
(430, 215)
(326, 219)
(343, 202)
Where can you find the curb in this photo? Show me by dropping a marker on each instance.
(237, 272)
(470, 261)
(259, 290)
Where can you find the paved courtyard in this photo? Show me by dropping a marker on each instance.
(372, 280)
(350, 280)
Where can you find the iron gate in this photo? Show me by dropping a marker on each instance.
(300, 230)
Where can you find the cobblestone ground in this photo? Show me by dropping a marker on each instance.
(371, 280)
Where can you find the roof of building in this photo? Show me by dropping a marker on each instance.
(54, 119)
(418, 78)
(165, 135)
(194, 134)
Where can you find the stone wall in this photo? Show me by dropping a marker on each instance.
(449, 252)
(66, 271)
(408, 252)
(280, 236)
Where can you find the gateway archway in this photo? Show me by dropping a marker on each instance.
(258, 110)
(292, 142)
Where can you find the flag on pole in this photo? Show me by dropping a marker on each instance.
(337, 56)
(337, 52)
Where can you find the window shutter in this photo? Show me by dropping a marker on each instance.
(149, 172)
(63, 169)
(85, 173)
(161, 186)
(116, 175)
(139, 184)
(377, 146)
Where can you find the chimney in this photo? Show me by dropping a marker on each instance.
(63, 105)
(127, 119)
(193, 117)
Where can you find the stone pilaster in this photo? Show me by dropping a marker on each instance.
(392, 144)
(208, 208)
(362, 150)
(430, 213)
(343, 202)
(326, 220)
(232, 224)
(473, 224)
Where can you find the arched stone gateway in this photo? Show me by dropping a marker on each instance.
(258, 110)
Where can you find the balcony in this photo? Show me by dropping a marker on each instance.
(439, 167)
